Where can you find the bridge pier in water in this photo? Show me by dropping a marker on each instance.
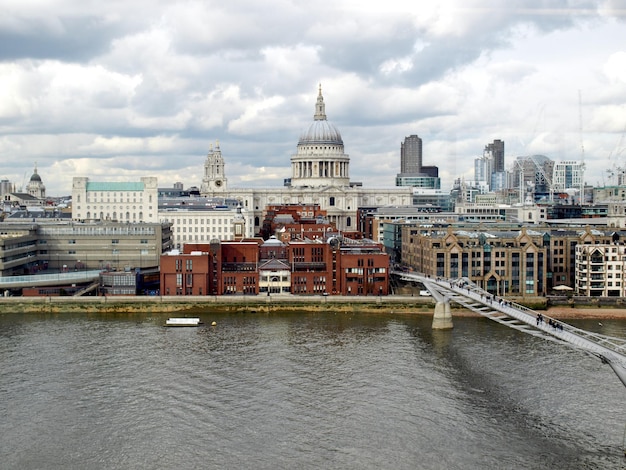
(442, 318)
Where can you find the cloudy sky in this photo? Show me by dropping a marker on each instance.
(121, 89)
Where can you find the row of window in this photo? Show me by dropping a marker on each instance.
(91, 230)
(201, 221)
(213, 229)
(188, 264)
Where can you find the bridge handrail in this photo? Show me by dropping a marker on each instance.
(609, 342)
(8, 281)
(618, 344)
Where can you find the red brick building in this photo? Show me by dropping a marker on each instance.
(188, 273)
(298, 217)
(311, 262)
(363, 269)
(237, 267)
(333, 266)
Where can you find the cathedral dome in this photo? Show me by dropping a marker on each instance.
(319, 160)
(321, 132)
(35, 178)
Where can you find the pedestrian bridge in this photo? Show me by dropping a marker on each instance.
(55, 279)
(609, 350)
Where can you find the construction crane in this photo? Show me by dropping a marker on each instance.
(614, 169)
(540, 177)
(582, 148)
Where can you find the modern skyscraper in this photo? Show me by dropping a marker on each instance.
(567, 175)
(411, 155)
(496, 149)
(412, 173)
(483, 168)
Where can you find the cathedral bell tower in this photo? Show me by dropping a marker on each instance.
(214, 180)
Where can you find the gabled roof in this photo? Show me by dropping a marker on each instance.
(24, 196)
(274, 265)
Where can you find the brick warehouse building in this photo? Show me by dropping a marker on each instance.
(508, 262)
(333, 266)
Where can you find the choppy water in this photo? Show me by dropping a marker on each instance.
(302, 391)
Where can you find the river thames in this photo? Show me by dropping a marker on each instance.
(305, 391)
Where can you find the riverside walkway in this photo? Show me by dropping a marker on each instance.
(609, 350)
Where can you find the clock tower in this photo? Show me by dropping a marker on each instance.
(214, 180)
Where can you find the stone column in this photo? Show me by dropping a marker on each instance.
(442, 318)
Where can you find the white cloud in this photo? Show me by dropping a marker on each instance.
(615, 68)
(145, 87)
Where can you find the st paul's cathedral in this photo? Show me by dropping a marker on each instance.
(319, 175)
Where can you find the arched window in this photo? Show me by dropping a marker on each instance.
(348, 221)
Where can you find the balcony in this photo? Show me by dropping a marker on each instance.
(311, 266)
(238, 267)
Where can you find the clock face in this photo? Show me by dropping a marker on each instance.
(218, 183)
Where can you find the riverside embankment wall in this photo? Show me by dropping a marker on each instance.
(196, 304)
(234, 304)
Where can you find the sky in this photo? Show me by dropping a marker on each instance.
(122, 89)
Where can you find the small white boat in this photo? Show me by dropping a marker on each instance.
(183, 322)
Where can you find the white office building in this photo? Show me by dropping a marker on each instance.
(130, 202)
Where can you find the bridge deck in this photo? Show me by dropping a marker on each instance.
(55, 279)
(609, 349)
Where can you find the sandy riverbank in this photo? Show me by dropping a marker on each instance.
(564, 313)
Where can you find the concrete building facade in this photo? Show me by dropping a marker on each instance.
(127, 202)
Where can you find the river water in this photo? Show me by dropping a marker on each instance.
(305, 391)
